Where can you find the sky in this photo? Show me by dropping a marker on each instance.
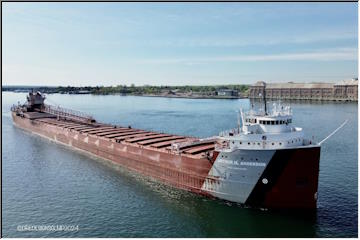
(106, 44)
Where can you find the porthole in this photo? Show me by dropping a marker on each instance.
(240, 142)
(280, 143)
(248, 143)
(272, 143)
(258, 143)
(265, 181)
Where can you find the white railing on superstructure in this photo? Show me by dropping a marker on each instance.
(281, 110)
(68, 113)
(229, 132)
(277, 109)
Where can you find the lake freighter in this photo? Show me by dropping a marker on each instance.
(264, 163)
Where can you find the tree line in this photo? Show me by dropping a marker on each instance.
(132, 89)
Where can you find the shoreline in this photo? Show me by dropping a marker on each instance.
(200, 97)
(191, 97)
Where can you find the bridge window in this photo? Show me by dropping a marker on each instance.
(277, 122)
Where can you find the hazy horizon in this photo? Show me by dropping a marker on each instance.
(177, 44)
(152, 85)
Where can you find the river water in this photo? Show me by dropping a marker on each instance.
(44, 183)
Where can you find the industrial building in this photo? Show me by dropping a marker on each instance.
(346, 90)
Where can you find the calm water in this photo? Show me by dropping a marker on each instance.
(48, 184)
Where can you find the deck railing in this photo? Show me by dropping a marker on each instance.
(68, 113)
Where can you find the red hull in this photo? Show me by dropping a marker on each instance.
(177, 170)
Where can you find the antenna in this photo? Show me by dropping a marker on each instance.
(238, 121)
(264, 98)
(242, 118)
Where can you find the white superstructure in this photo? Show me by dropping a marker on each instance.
(264, 130)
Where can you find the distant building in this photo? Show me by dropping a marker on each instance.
(83, 92)
(228, 92)
(344, 90)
